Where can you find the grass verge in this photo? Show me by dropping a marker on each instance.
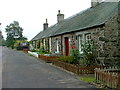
(87, 78)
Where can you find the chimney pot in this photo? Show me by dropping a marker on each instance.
(58, 11)
(46, 20)
(60, 17)
(45, 25)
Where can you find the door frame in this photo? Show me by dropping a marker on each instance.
(66, 46)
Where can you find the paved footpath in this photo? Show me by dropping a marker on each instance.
(23, 71)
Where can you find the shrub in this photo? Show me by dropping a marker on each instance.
(67, 59)
(88, 53)
(74, 53)
(33, 50)
(41, 50)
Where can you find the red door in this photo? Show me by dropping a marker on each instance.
(66, 46)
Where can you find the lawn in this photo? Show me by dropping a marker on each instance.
(87, 78)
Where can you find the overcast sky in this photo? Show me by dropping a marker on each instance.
(31, 14)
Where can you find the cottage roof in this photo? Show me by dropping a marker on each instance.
(93, 16)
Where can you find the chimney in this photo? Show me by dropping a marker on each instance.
(45, 25)
(60, 17)
(95, 2)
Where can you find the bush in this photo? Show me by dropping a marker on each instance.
(75, 55)
(42, 50)
(67, 59)
(88, 53)
(41, 53)
(33, 50)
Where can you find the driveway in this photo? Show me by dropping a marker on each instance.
(21, 70)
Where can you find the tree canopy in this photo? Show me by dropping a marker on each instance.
(14, 32)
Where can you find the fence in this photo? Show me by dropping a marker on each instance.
(108, 76)
(47, 58)
(25, 50)
(88, 69)
(70, 67)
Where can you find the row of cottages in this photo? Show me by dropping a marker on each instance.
(98, 23)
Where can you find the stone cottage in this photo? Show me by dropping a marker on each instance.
(99, 23)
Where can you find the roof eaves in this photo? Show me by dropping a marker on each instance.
(79, 29)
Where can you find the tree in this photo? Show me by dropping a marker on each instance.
(14, 32)
(3, 42)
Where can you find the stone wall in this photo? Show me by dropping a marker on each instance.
(54, 44)
(96, 33)
(70, 37)
(106, 40)
(61, 39)
(112, 46)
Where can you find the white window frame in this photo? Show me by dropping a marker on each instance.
(80, 41)
(44, 44)
(88, 37)
(57, 46)
(50, 44)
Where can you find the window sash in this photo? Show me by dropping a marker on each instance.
(57, 45)
(80, 41)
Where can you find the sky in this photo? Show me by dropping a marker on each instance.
(31, 14)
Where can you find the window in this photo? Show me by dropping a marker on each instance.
(80, 41)
(88, 37)
(44, 43)
(88, 42)
(57, 45)
(50, 44)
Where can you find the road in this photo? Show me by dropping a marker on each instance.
(21, 70)
(0, 67)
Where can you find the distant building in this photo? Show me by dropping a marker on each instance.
(99, 23)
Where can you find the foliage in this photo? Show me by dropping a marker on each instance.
(74, 58)
(30, 42)
(14, 32)
(42, 50)
(67, 59)
(10, 41)
(33, 50)
(112, 62)
(41, 53)
(74, 53)
(3, 42)
(88, 53)
(18, 42)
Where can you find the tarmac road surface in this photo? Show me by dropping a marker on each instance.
(21, 70)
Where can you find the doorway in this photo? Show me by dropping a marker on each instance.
(66, 46)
